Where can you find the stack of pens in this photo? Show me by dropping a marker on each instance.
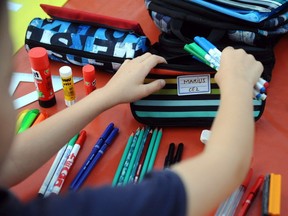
(96, 153)
(138, 157)
(229, 207)
(61, 165)
(28, 118)
(204, 51)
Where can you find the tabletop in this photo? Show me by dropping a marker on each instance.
(271, 139)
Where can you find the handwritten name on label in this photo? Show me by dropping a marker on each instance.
(193, 84)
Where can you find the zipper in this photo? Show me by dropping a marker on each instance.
(96, 25)
(79, 53)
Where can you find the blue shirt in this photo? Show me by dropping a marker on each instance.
(160, 193)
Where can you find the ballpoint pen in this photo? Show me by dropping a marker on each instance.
(95, 160)
(92, 154)
(251, 196)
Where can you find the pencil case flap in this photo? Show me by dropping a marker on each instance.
(80, 41)
(93, 19)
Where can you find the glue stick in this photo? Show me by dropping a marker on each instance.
(89, 78)
(42, 77)
(68, 85)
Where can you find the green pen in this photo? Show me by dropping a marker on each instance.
(28, 120)
(155, 150)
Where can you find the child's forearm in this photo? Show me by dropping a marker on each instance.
(225, 160)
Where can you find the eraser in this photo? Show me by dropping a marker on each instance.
(205, 136)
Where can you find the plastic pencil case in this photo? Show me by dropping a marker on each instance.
(81, 38)
(167, 108)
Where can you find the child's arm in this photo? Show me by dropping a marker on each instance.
(35, 146)
(211, 176)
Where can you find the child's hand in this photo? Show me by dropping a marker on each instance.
(127, 83)
(237, 66)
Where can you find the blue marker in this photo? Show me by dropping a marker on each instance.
(258, 95)
(260, 88)
(201, 42)
(95, 160)
(209, 48)
(93, 152)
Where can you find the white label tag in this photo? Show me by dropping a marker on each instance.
(193, 84)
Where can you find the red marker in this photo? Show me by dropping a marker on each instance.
(251, 196)
(69, 162)
(263, 82)
(89, 78)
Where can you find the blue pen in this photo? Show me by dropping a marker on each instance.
(95, 160)
(93, 152)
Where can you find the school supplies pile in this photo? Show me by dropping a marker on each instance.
(138, 156)
(61, 165)
(80, 38)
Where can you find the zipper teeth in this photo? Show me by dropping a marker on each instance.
(79, 53)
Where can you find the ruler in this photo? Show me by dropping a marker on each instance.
(18, 77)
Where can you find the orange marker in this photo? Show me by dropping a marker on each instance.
(42, 116)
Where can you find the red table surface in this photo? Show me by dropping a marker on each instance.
(271, 140)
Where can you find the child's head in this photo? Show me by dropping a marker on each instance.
(7, 113)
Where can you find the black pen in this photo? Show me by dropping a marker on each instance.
(179, 152)
(169, 157)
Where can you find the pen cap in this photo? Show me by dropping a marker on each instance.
(65, 71)
(38, 58)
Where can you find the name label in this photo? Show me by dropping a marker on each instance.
(193, 84)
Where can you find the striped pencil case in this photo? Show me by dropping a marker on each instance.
(188, 99)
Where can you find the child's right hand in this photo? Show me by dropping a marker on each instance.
(237, 66)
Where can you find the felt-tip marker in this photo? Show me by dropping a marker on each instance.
(251, 196)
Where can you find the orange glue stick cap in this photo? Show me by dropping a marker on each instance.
(89, 78)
